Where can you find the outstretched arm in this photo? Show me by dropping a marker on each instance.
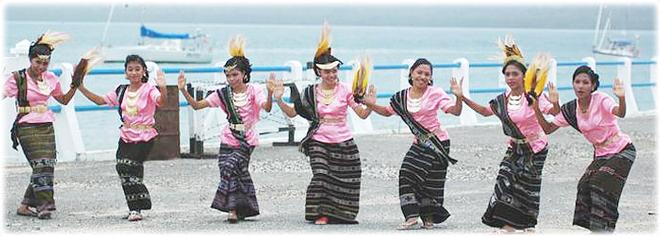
(98, 100)
(484, 111)
(66, 98)
(548, 127)
(201, 104)
(370, 101)
(278, 92)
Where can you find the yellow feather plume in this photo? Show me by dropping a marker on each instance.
(236, 46)
(361, 77)
(324, 42)
(52, 39)
(537, 73)
(510, 49)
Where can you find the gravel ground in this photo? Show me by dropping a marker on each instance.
(90, 200)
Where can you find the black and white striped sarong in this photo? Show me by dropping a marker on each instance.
(130, 168)
(334, 191)
(422, 183)
(38, 144)
(236, 189)
(599, 190)
(515, 201)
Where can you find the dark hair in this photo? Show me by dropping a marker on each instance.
(242, 64)
(39, 49)
(324, 59)
(515, 63)
(138, 59)
(592, 75)
(417, 63)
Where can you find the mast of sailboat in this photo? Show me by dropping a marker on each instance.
(597, 30)
(607, 26)
(107, 24)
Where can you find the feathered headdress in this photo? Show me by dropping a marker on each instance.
(510, 50)
(323, 58)
(236, 48)
(537, 73)
(324, 42)
(361, 78)
(50, 39)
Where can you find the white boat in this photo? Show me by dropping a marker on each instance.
(622, 46)
(164, 48)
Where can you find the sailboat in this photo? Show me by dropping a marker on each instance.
(160, 47)
(164, 48)
(622, 46)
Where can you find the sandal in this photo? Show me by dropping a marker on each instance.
(44, 215)
(408, 224)
(26, 211)
(427, 222)
(134, 216)
(232, 217)
(323, 220)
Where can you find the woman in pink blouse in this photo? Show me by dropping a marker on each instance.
(33, 126)
(514, 204)
(137, 103)
(424, 168)
(594, 114)
(333, 194)
(242, 102)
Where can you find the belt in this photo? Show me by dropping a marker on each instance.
(239, 127)
(38, 109)
(533, 138)
(608, 141)
(138, 127)
(333, 120)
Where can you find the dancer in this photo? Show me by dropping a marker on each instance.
(333, 194)
(424, 169)
(137, 102)
(241, 101)
(33, 126)
(594, 115)
(514, 204)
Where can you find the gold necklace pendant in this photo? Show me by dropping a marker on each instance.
(327, 96)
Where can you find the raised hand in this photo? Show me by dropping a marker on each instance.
(618, 88)
(370, 97)
(553, 94)
(270, 83)
(456, 87)
(160, 78)
(181, 81)
(278, 88)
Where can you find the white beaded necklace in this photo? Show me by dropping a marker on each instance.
(515, 102)
(240, 99)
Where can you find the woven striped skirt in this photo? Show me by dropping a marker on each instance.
(515, 201)
(130, 160)
(599, 191)
(422, 184)
(334, 191)
(236, 189)
(38, 144)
